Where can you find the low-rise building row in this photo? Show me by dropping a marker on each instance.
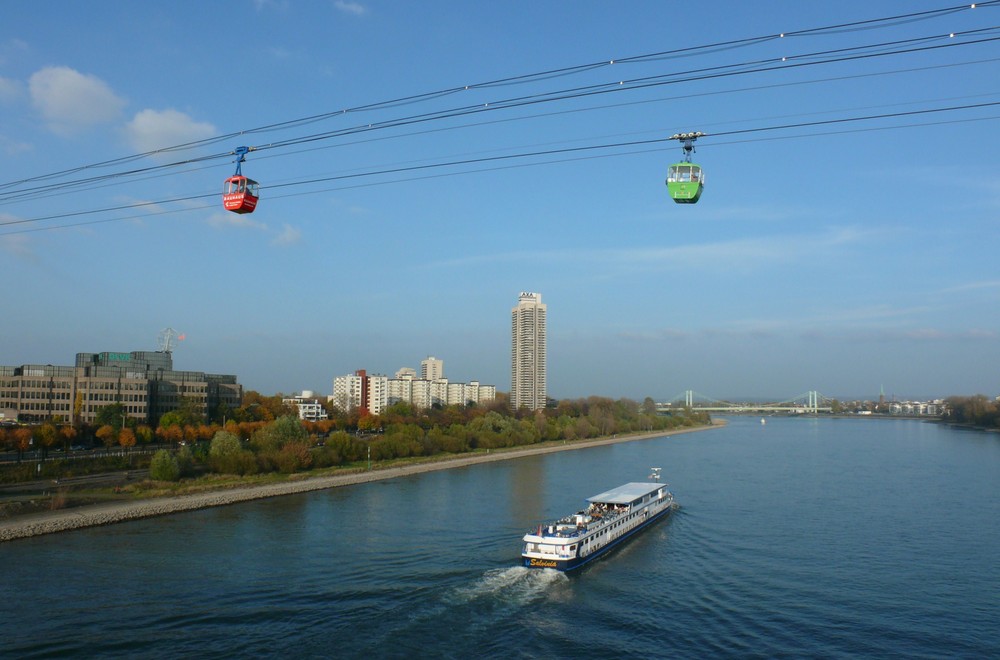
(375, 393)
(144, 383)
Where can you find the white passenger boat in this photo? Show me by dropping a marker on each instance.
(609, 519)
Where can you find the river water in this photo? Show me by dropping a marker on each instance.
(801, 537)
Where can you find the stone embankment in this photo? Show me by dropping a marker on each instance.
(116, 512)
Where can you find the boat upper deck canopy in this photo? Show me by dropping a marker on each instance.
(626, 494)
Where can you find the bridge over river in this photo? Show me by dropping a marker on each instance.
(811, 402)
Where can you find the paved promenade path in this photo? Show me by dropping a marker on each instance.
(114, 512)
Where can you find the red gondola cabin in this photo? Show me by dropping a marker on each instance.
(240, 194)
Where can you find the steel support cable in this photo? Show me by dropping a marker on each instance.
(41, 195)
(467, 172)
(585, 92)
(660, 100)
(105, 177)
(839, 28)
(640, 83)
(649, 81)
(566, 150)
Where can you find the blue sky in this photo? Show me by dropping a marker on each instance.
(840, 258)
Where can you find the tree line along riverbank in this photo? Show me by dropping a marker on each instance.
(260, 453)
(157, 498)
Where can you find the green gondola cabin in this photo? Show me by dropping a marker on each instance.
(685, 181)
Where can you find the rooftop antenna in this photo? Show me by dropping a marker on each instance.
(168, 339)
(655, 474)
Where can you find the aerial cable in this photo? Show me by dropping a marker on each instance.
(714, 134)
(638, 83)
(481, 170)
(45, 194)
(643, 102)
(547, 97)
(832, 29)
(105, 177)
(566, 150)
(582, 92)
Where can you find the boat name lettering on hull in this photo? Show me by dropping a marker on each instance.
(543, 563)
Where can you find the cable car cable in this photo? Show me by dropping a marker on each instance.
(833, 29)
(27, 196)
(513, 156)
(57, 186)
(573, 93)
(488, 169)
(649, 82)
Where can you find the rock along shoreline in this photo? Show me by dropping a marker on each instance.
(62, 520)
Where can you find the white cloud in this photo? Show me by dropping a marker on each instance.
(70, 101)
(353, 8)
(289, 235)
(151, 130)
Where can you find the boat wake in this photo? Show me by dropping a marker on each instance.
(515, 585)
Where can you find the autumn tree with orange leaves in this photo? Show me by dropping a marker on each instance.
(126, 438)
(22, 440)
(68, 434)
(108, 435)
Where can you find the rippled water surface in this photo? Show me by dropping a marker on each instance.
(801, 537)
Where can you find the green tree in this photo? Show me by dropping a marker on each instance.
(188, 413)
(144, 434)
(185, 461)
(227, 456)
(112, 415)
(225, 443)
(164, 467)
(278, 433)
